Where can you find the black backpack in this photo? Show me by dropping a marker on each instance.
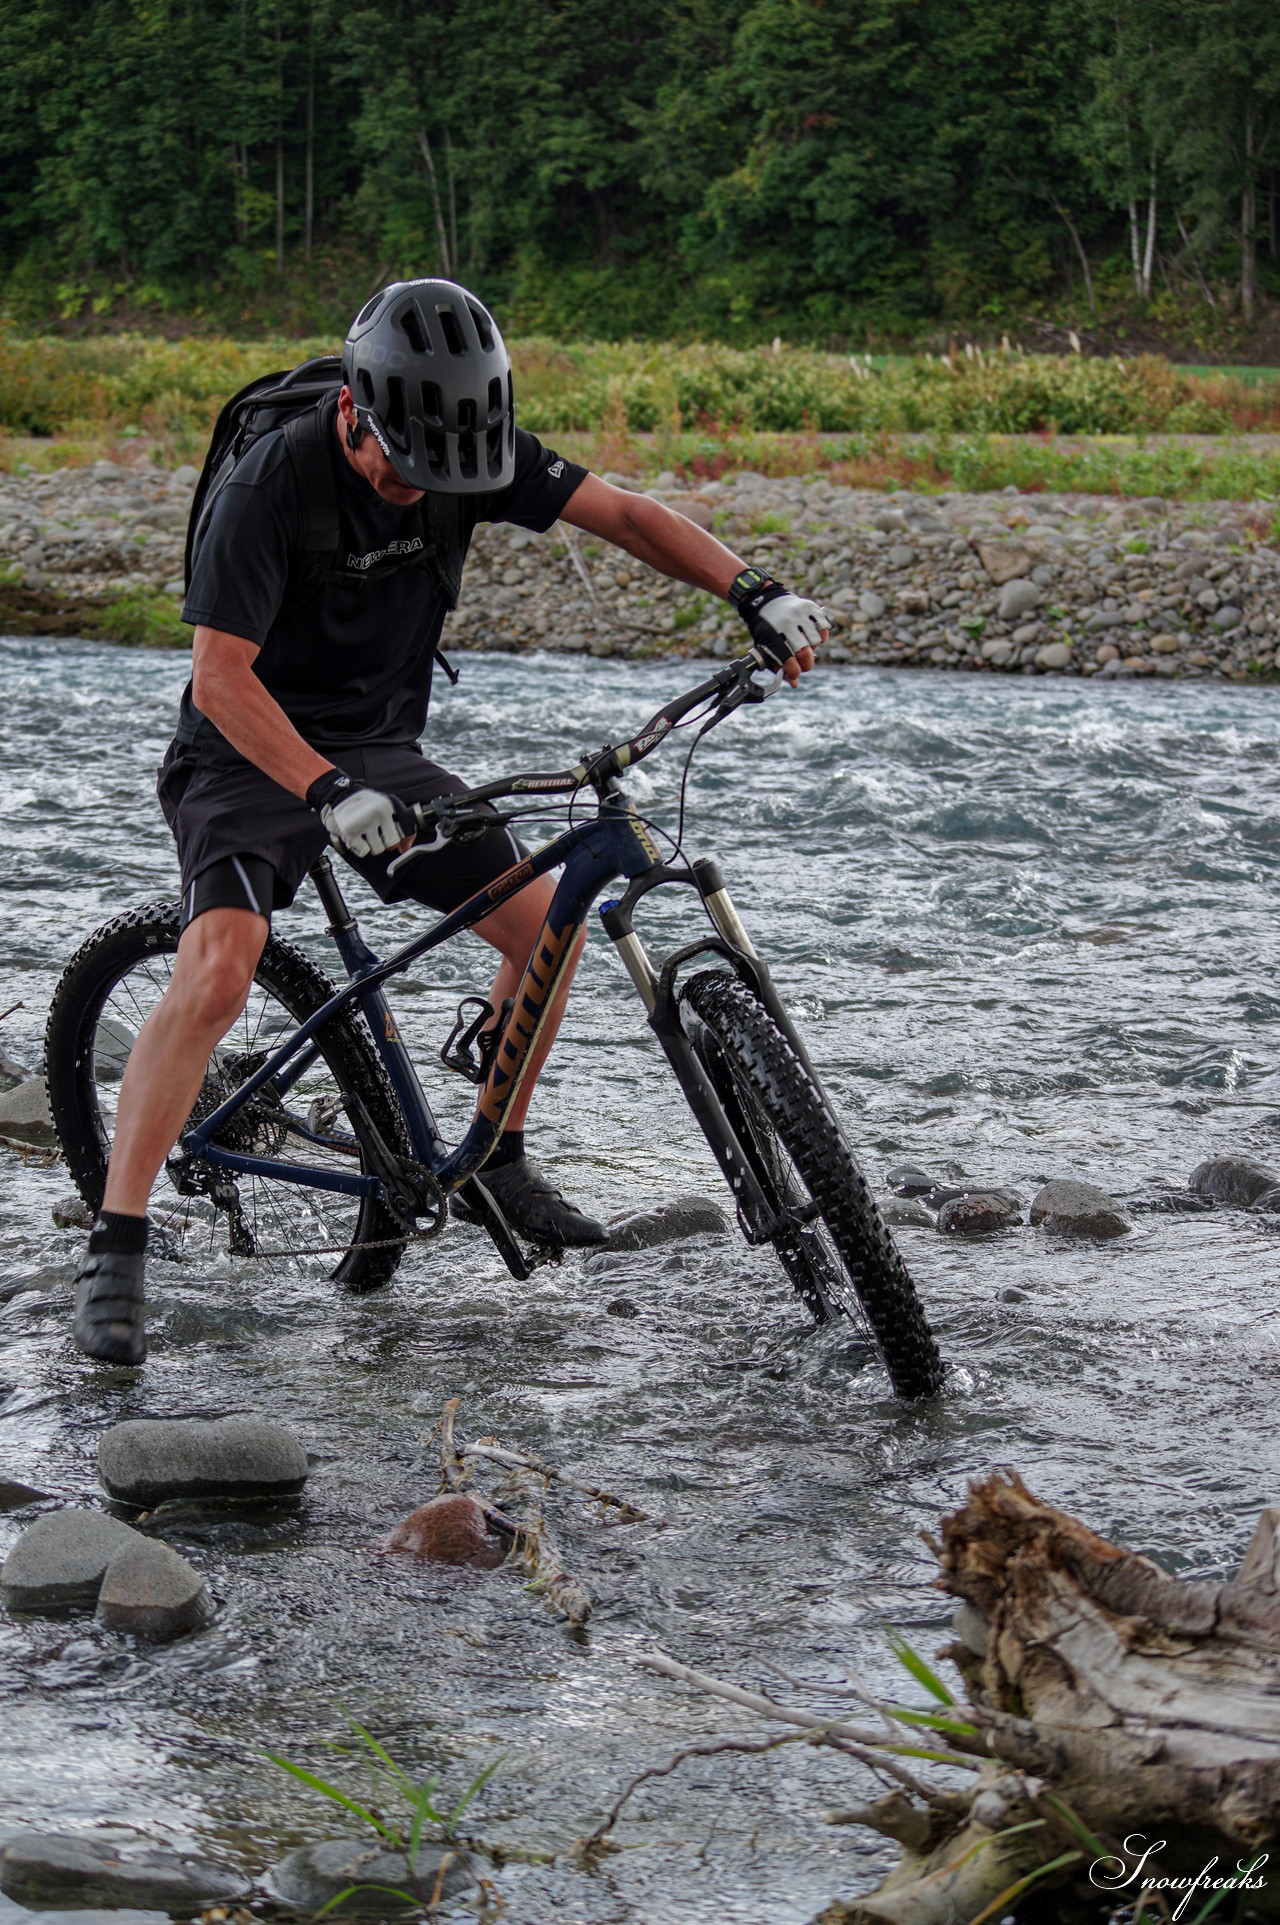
(296, 401)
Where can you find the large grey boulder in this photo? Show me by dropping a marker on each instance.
(149, 1591)
(1071, 1209)
(150, 1460)
(311, 1878)
(43, 1870)
(24, 1112)
(12, 1073)
(1233, 1179)
(684, 1216)
(977, 1214)
(61, 1560)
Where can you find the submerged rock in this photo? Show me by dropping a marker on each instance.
(905, 1213)
(149, 1591)
(1070, 1209)
(311, 1879)
(15, 1496)
(1181, 1203)
(907, 1180)
(43, 1870)
(149, 1460)
(1232, 1179)
(452, 1529)
(684, 1216)
(61, 1560)
(977, 1214)
(71, 1212)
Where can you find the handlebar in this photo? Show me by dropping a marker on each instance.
(733, 684)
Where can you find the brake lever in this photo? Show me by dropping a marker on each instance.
(760, 692)
(415, 818)
(746, 689)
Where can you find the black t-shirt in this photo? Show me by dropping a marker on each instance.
(352, 664)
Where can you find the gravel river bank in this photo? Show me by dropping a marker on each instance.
(1029, 931)
(1031, 584)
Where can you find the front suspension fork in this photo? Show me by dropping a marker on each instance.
(657, 991)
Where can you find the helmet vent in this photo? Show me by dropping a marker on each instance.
(411, 321)
(484, 326)
(493, 450)
(495, 396)
(396, 418)
(369, 309)
(467, 416)
(366, 386)
(453, 335)
(467, 455)
(431, 404)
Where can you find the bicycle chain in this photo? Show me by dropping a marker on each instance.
(410, 1168)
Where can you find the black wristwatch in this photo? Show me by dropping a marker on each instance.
(748, 583)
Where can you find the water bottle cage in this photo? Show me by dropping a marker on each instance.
(468, 1035)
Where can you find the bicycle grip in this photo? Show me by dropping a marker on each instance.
(411, 817)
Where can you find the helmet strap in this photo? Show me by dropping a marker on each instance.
(354, 435)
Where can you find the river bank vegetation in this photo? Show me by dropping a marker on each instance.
(965, 418)
(847, 175)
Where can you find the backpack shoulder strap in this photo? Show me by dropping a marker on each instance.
(306, 440)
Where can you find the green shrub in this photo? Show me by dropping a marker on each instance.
(140, 618)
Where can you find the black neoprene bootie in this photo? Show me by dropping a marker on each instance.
(534, 1207)
(110, 1323)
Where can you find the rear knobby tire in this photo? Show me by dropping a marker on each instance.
(114, 979)
(833, 1244)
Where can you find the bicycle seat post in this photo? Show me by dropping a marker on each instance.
(357, 957)
(331, 897)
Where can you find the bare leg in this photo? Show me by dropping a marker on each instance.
(216, 958)
(513, 930)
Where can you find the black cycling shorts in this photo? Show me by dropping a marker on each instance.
(245, 842)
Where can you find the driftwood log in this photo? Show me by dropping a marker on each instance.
(1129, 1725)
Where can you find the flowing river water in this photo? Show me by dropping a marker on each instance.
(1028, 927)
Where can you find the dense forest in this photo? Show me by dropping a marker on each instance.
(827, 169)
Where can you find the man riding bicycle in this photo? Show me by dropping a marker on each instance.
(308, 695)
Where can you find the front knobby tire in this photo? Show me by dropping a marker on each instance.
(110, 986)
(831, 1240)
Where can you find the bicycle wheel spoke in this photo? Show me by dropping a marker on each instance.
(109, 990)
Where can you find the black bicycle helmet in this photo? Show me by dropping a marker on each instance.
(431, 380)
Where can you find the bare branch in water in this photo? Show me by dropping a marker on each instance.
(859, 1741)
(752, 1746)
(525, 1460)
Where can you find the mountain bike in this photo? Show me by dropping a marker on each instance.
(313, 1139)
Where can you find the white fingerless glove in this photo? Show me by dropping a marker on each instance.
(362, 821)
(780, 623)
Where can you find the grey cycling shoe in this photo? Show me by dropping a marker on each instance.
(110, 1323)
(534, 1208)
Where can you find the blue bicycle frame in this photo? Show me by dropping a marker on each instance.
(615, 843)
